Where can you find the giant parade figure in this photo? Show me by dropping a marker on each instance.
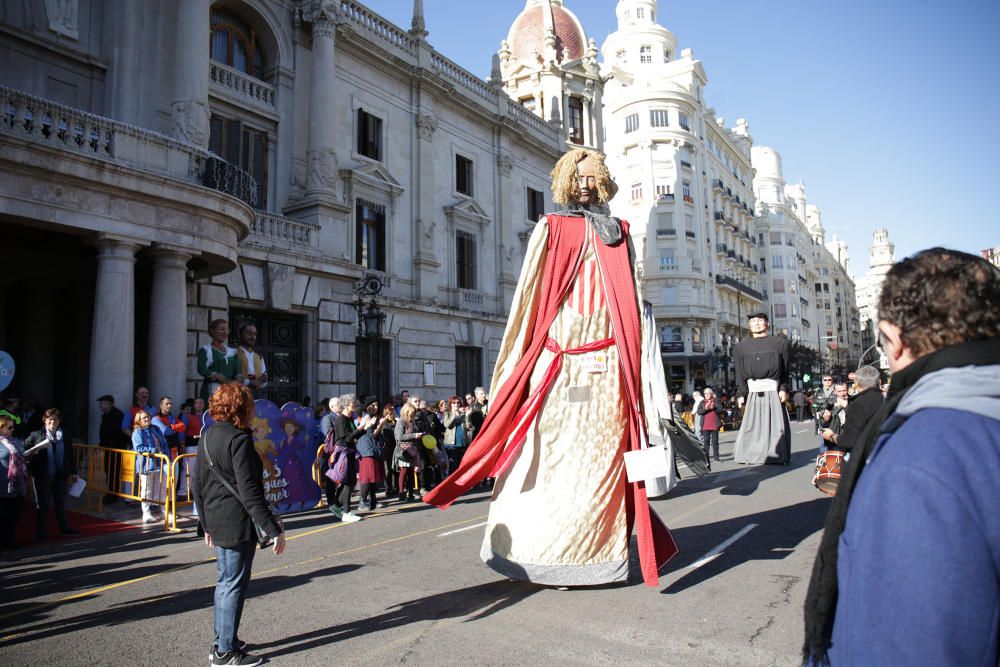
(762, 377)
(573, 390)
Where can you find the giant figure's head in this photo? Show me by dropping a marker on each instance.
(580, 178)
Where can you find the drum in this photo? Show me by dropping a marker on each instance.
(827, 475)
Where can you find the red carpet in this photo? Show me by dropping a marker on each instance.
(87, 525)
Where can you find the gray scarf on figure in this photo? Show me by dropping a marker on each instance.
(608, 228)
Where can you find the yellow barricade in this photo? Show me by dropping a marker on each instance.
(115, 472)
(318, 475)
(182, 473)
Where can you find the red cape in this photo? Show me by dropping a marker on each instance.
(493, 443)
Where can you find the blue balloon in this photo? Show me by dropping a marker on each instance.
(6, 370)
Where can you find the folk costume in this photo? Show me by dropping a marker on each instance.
(252, 366)
(761, 372)
(571, 393)
(211, 360)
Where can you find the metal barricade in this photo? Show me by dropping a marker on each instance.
(182, 473)
(115, 472)
(318, 475)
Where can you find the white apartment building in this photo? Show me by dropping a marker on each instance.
(267, 161)
(808, 290)
(686, 187)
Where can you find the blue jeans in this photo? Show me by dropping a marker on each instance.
(233, 577)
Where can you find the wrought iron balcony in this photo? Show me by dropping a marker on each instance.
(47, 123)
(738, 286)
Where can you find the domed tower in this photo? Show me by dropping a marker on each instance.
(769, 181)
(815, 225)
(639, 40)
(548, 64)
(881, 254)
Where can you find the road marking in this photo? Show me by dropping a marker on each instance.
(102, 589)
(717, 551)
(459, 530)
(804, 430)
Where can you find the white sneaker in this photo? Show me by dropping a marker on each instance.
(350, 517)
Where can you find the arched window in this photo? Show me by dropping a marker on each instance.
(235, 43)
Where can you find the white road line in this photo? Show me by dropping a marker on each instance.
(717, 551)
(803, 430)
(452, 532)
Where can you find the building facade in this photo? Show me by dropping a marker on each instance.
(685, 185)
(279, 163)
(808, 293)
(881, 257)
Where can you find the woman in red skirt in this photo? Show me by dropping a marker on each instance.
(371, 471)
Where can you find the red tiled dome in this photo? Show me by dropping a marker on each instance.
(527, 35)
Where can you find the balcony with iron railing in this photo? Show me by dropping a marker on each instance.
(47, 123)
(717, 184)
(160, 188)
(728, 281)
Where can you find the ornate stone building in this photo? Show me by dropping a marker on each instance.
(166, 164)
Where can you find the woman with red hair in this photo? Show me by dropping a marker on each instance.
(228, 463)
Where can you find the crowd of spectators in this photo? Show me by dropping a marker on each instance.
(402, 447)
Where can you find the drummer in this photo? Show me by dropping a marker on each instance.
(833, 418)
(860, 409)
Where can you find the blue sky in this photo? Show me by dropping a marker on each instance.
(885, 109)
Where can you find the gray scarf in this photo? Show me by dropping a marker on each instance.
(608, 228)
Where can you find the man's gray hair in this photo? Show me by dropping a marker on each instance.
(333, 404)
(709, 390)
(345, 401)
(867, 377)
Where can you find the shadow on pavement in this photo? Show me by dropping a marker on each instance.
(776, 535)
(150, 608)
(478, 601)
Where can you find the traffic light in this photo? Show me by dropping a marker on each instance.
(806, 377)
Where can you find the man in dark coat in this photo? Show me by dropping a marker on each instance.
(860, 409)
(111, 436)
(52, 466)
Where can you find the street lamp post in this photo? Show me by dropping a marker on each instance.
(370, 316)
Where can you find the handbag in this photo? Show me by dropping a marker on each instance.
(263, 540)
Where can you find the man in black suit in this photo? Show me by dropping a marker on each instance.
(111, 436)
(52, 466)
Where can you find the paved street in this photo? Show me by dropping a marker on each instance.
(406, 586)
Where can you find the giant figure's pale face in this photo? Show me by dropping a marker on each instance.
(586, 174)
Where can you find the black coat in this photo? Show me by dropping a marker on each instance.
(860, 409)
(38, 462)
(111, 430)
(222, 514)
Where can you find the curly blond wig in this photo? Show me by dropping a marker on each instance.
(566, 187)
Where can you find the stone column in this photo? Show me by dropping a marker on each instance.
(510, 245)
(112, 347)
(321, 157)
(189, 109)
(425, 259)
(168, 325)
(126, 74)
